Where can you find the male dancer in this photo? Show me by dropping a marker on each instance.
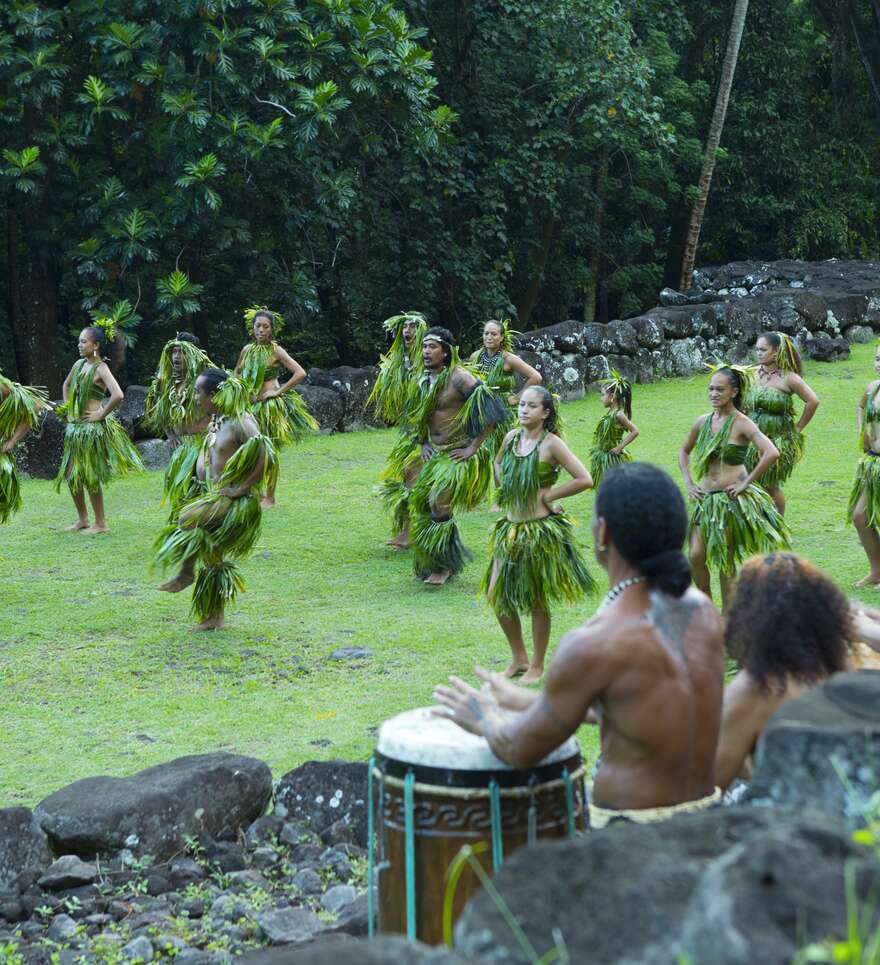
(454, 414)
(232, 466)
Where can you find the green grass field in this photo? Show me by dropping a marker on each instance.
(101, 674)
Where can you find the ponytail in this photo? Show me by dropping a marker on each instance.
(787, 356)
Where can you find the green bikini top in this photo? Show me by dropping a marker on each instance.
(547, 474)
(715, 446)
(523, 476)
(872, 409)
(768, 399)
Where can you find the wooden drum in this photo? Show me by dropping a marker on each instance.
(442, 788)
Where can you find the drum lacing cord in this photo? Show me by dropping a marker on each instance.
(495, 820)
(475, 793)
(532, 834)
(410, 854)
(569, 802)
(370, 845)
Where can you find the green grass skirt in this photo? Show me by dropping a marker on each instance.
(233, 534)
(284, 419)
(868, 482)
(539, 563)
(392, 481)
(181, 484)
(791, 445)
(95, 452)
(10, 488)
(735, 529)
(601, 460)
(461, 486)
(436, 546)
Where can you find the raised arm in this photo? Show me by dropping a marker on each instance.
(299, 373)
(530, 376)
(632, 431)
(811, 401)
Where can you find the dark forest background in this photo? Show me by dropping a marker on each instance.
(169, 164)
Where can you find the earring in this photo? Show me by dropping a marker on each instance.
(601, 548)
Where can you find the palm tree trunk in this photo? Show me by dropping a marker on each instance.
(596, 250)
(737, 24)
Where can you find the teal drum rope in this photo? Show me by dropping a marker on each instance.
(410, 859)
(495, 818)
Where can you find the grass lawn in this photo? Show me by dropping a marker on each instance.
(101, 674)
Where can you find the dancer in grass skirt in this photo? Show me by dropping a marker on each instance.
(769, 403)
(280, 412)
(864, 501)
(615, 430)
(222, 524)
(20, 407)
(534, 558)
(451, 418)
(395, 388)
(172, 409)
(96, 447)
(733, 518)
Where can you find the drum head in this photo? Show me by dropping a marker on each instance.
(440, 752)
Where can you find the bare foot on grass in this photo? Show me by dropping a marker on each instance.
(872, 579)
(532, 675)
(96, 528)
(514, 669)
(79, 524)
(215, 623)
(179, 583)
(400, 542)
(437, 579)
(267, 502)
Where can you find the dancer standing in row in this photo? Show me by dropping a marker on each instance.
(534, 559)
(234, 463)
(733, 518)
(280, 412)
(454, 414)
(399, 372)
(498, 364)
(769, 403)
(864, 501)
(20, 407)
(172, 408)
(615, 430)
(96, 447)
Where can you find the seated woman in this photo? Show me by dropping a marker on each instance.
(789, 628)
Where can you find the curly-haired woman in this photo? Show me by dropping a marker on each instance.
(790, 628)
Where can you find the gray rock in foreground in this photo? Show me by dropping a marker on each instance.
(382, 950)
(733, 885)
(23, 844)
(39, 453)
(152, 811)
(322, 793)
(822, 750)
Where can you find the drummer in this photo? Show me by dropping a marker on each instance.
(648, 667)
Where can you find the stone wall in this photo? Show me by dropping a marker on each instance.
(823, 305)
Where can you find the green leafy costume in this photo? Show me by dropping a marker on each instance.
(18, 403)
(772, 411)
(398, 368)
(222, 527)
(490, 368)
(733, 529)
(606, 436)
(94, 452)
(283, 419)
(172, 407)
(538, 560)
(867, 479)
(462, 486)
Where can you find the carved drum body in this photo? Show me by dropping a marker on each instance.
(440, 788)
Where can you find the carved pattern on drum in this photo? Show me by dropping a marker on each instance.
(474, 816)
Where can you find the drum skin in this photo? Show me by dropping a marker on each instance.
(447, 817)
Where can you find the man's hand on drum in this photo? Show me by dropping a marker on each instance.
(505, 691)
(468, 707)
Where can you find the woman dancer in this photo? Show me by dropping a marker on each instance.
(733, 518)
(172, 408)
(534, 557)
(769, 403)
(609, 442)
(20, 407)
(864, 501)
(498, 365)
(96, 447)
(280, 413)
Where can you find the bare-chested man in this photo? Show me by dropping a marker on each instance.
(454, 415)
(648, 667)
(225, 521)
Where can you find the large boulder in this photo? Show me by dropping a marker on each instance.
(132, 410)
(23, 844)
(155, 453)
(327, 406)
(335, 950)
(732, 885)
(564, 375)
(319, 794)
(39, 453)
(153, 811)
(859, 334)
(826, 349)
(354, 386)
(625, 337)
(822, 750)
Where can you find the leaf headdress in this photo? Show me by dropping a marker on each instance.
(254, 310)
(787, 359)
(746, 373)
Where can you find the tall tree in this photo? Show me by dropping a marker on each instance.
(713, 141)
